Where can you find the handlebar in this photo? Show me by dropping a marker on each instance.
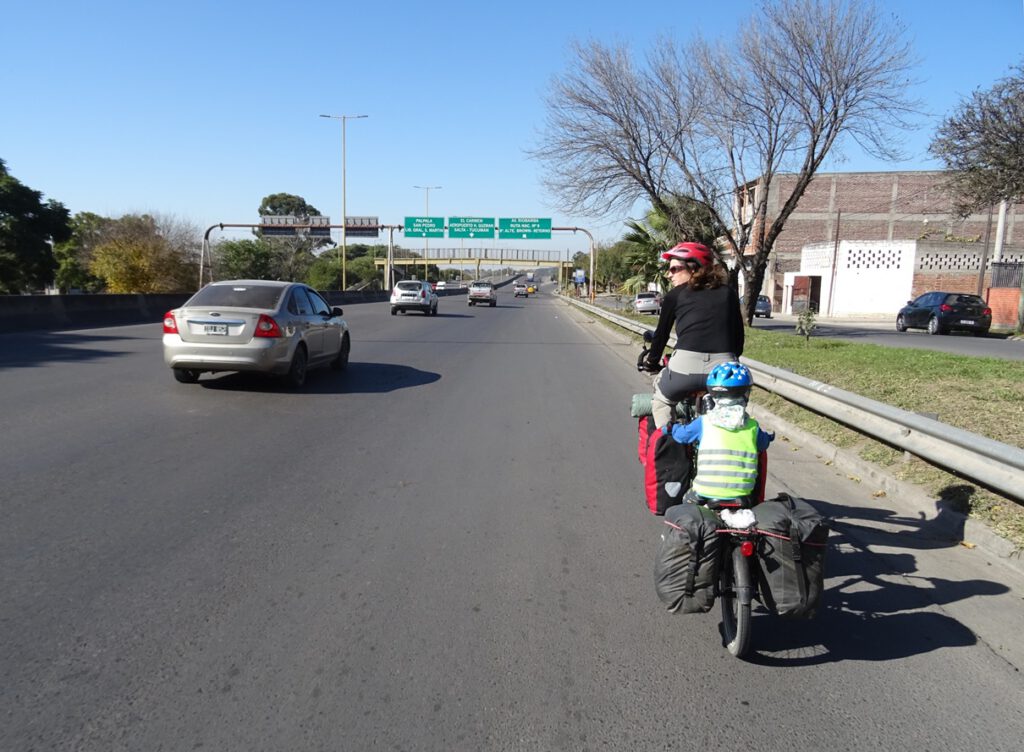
(642, 363)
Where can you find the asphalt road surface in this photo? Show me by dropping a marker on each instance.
(444, 548)
(885, 334)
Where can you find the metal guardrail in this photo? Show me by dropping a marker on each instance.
(991, 463)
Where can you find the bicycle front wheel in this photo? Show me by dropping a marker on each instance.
(735, 596)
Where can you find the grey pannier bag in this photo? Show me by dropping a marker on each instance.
(791, 553)
(686, 564)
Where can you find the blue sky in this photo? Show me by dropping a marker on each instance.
(200, 109)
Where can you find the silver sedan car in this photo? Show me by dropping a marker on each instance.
(647, 302)
(280, 328)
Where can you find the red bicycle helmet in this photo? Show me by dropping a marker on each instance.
(695, 252)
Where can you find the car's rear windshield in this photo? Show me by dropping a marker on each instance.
(647, 294)
(481, 284)
(408, 285)
(965, 300)
(238, 296)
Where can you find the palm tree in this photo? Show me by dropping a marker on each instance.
(647, 240)
(657, 232)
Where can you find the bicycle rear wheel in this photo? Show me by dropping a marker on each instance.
(735, 596)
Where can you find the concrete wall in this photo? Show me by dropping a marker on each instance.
(871, 277)
(26, 312)
(30, 312)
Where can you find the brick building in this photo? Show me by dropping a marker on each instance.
(885, 237)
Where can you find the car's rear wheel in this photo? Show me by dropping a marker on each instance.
(901, 324)
(393, 310)
(494, 303)
(933, 326)
(296, 375)
(186, 375)
(340, 362)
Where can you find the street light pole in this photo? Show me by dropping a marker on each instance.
(426, 211)
(344, 218)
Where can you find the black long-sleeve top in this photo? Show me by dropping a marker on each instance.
(708, 321)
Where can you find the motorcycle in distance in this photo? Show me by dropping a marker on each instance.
(738, 567)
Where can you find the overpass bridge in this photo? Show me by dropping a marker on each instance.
(476, 258)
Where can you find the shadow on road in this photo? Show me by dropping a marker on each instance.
(39, 348)
(360, 378)
(875, 608)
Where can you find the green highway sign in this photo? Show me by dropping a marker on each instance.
(524, 228)
(471, 227)
(424, 227)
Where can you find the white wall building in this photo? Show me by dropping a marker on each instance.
(857, 278)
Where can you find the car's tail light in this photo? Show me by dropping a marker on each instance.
(170, 325)
(747, 548)
(945, 308)
(987, 312)
(423, 293)
(267, 327)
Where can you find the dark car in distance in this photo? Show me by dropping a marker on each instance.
(943, 312)
(763, 307)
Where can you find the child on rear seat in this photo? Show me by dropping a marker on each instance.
(729, 439)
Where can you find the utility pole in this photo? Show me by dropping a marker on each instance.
(344, 219)
(426, 211)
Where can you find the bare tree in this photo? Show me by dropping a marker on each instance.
(982, 144)
(715, 124)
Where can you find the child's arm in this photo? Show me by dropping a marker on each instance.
(764, 439)
(686, 433)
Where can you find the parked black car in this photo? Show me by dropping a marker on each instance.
(942, 312)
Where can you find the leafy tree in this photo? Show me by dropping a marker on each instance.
(612, 267)
(27, 228)
(75, 255)
(982, 143)
(244, 259)
(364, 271)
(325, 272)
(714, 123)
(290, 257)
(147, 254)
(287, 204)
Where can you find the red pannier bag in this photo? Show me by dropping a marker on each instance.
(668, 466)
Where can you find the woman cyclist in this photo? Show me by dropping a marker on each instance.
(705, 312)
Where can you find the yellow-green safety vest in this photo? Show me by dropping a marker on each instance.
(726, 461)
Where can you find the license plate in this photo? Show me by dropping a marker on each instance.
(967, 321)
(215, 328)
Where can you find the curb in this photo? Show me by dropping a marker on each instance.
(949, 525)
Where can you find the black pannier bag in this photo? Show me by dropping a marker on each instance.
(686, 565)
(791, 554)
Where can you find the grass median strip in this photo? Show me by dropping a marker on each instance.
(981, 395)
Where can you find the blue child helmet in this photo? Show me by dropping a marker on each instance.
(730, 379)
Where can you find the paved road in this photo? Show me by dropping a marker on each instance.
(879, 332)
(443, 549)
